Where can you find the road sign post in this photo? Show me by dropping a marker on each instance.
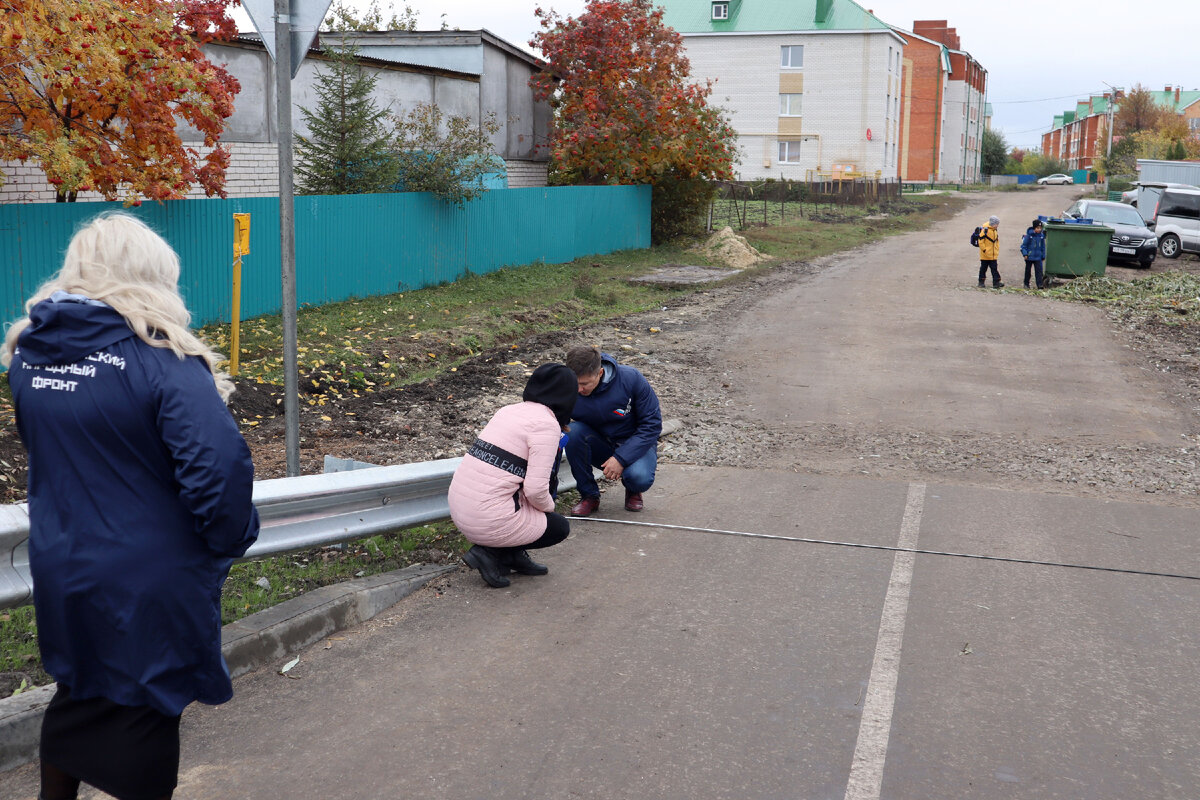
(287, 39)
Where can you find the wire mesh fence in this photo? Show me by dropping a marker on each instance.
(741, 205)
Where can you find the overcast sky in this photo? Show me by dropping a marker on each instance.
(1041, 55)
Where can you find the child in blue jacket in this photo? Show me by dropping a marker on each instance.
(1033, 248)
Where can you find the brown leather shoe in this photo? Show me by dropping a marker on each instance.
(585, 507)
(633, 501)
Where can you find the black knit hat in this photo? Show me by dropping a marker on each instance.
(556, 387)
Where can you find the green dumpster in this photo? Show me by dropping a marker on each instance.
(1073, 250)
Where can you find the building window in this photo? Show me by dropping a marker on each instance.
(789, 152)
(720, 10)
(791, 56)
(789, 105)
(1194, 124)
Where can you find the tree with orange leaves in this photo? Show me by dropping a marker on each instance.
(93, 92)
(625, 111)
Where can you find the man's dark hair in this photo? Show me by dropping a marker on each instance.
(584, 360)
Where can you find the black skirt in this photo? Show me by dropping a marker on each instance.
(130, 752)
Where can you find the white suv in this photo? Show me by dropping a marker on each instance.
(1177, 222)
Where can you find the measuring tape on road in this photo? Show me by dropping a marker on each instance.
(890, 549)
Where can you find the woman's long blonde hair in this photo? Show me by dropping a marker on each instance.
(118, 260)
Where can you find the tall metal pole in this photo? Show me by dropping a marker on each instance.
(287, 232)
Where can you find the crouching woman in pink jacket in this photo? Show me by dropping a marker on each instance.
(502, 494)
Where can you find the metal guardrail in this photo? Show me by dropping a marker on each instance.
(296, 513)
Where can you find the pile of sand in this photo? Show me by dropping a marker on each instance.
(728, 248)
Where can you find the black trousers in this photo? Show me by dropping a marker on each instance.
(1036, 268)
(557, 529)
(984, 266)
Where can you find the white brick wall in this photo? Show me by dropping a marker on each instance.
(253, 172)
(526, 173)
(846, 86)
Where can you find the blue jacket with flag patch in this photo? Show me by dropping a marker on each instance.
(140, 491)
(624, 409)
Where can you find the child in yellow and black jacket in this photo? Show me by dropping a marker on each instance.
(989, 252)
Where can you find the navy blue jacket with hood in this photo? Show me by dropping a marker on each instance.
(1033, 245)
(624, 409)
(139, 500)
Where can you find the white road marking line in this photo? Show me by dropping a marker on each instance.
(870, 752)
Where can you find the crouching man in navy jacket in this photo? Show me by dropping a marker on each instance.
(615, 426)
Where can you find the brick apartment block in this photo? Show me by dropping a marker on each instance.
(824, 87)
(943, 109)
(1080, 136)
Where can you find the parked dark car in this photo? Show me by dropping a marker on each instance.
(1131, 239)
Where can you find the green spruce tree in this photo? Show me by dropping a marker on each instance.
(348, 149)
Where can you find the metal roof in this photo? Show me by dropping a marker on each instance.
(765, 16)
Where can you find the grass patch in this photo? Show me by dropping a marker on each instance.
(363, 345)
(20, 663)
(265, 582)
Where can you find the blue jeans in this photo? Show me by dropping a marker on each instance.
(586, 449)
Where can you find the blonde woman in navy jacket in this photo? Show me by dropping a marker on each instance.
(139, 500)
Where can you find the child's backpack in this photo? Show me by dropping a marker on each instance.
(975, 237)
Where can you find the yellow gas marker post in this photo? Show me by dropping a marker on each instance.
(241, 247)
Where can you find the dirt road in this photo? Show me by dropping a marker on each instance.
(894, 343)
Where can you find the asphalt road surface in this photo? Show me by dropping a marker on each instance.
(683, 663)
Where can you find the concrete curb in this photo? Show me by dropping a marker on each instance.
(247, 644)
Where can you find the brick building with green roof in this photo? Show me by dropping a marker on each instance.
(1079, 137)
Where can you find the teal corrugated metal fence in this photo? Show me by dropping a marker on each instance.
(346, 245)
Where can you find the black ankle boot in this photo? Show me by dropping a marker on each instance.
(519, 561)
(485, 560)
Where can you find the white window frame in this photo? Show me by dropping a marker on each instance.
(786, 102)
(785, 56)
(720, 10)
(786, 156)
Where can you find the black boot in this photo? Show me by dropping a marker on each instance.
(519, 561)
(485, 560)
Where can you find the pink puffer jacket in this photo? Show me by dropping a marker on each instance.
(481, 494)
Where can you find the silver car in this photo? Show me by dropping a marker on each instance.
(1056, 178)
(1177, 222)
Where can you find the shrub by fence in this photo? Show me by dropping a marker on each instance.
(346, 245)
